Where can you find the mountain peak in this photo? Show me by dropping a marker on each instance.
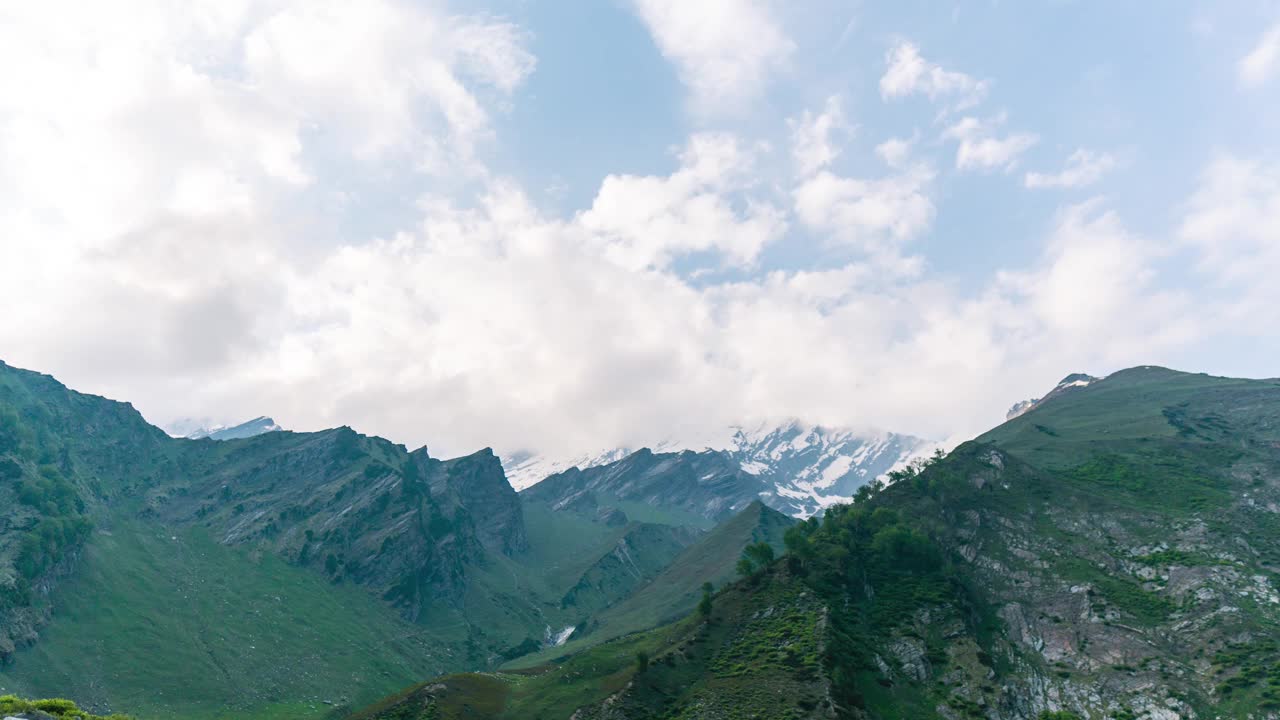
(1070, 383)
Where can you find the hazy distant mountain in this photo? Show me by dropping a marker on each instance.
(196, 429)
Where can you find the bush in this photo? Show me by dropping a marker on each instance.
(57, 707)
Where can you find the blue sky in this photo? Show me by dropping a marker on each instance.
(562, 226)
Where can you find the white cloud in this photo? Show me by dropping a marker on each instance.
(895, 151)
(725, 51)
(874, 215)
(812, 144)
(908, 73)
(169, 235)
(981, 149)
(1084, 167)
(646, 221)
(1231, 224)
(1256, 67)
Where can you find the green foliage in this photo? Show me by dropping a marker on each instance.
(704, 605)
(642, 662)
(195, 630)
(756, 558)
(57, 707)
(887, 565)
(60, 524)
(1171, 476)
(1058, 715)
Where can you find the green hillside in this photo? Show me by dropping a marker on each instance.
(168, 623)
(1112, 555)
(675, 591)
(281, 575)
(757, 654)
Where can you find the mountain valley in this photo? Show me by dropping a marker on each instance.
(1111, 553)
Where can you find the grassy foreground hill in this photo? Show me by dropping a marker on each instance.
(1114, 554)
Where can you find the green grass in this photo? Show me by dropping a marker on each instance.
(676, 590)
(175, 625)
(757, 657)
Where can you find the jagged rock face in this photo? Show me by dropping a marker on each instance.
(708, 484)
(1124, 537)
(354, 508)
(477, 482)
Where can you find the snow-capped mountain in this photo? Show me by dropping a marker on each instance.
(1070, 383)
(810, 467)
(527, 469)
(801, 468)
(194, 430)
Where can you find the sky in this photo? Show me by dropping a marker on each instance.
(567, 226)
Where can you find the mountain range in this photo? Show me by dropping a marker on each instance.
(1111, 552)
(794, 467)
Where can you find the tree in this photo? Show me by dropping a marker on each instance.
(761, 554)
(756, 558)
(642, 662)
(704, 605)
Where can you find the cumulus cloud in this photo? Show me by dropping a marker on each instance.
(895, 151)
(175, 231)
(875, 215)
(981, 148)
(813, 146)
(908, 73)
(1231, 224)
(647, 221)
(725, 51)
(1260, 63)
(1084, 167)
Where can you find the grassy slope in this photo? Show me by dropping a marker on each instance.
(175, 625)
(1149, 470)
(676, 590)
(760, 652)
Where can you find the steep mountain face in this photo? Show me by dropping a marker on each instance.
(642, 551)
(799, 468)
(359, 509)
(708, 485)
(86, 487)
(1070, 383)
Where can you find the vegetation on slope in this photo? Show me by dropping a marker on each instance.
(756, 654)
(169, 623)
(1111, 555)
(53, 707)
